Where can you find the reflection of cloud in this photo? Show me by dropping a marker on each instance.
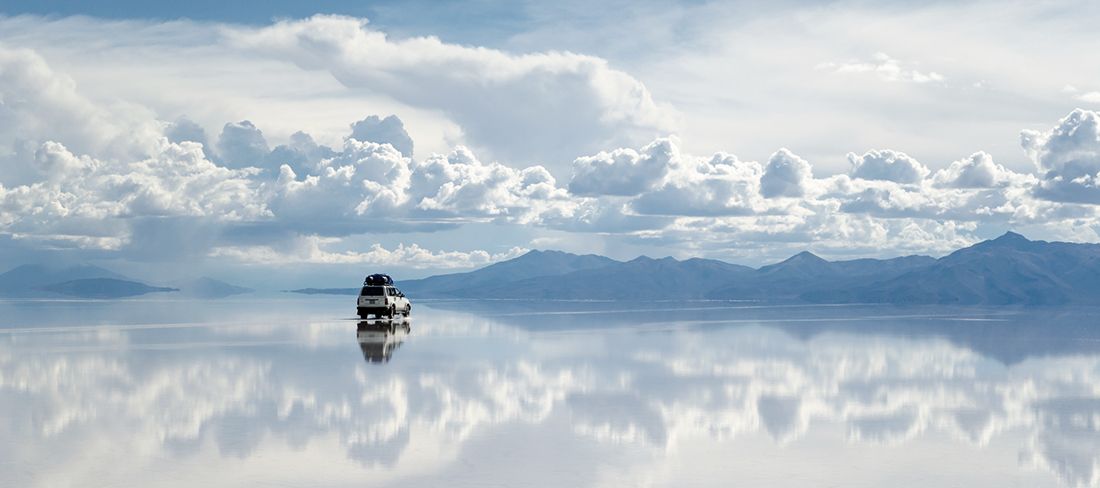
(618, 417)
(780, 416)
(659, 391)
(1069, 443)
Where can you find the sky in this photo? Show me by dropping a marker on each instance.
(295, 143)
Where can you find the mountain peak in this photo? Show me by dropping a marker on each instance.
(1010, 236)
(1007, 240)
(804, 263)
(647, 259)
(805, 257)
(537, 253)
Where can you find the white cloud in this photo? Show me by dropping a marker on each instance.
(366, 181)
(785, 175)
(241, 145)
(1067, 157)
(1087, 97)
(520, 107)
(978, 171)
(624, 172)
(389, 130)
(460, 186)
(887, 165)
(721, 185)
(83, 197)
(885, 68)
(38, 105)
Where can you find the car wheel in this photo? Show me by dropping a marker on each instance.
(408, 310)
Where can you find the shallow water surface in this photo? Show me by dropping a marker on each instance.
(292, 391)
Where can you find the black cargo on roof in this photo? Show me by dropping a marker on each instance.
(378, 280)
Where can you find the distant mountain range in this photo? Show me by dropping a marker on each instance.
(84, 281)
(1008, 270)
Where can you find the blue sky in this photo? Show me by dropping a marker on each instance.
(463, 22)
(310, 142)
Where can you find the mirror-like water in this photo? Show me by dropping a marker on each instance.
(289, 392)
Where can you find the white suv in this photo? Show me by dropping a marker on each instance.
(382, 301)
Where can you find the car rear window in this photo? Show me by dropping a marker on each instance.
(372, 291)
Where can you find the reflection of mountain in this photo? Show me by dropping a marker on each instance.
(379, 338)
(327, 291)
(1007, 334)
(1006, 270)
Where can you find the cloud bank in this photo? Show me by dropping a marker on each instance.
(100, 178)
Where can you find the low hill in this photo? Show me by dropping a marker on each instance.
(28, 280)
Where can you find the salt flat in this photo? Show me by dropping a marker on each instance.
(293, 391)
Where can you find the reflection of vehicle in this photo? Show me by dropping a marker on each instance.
(378, 338)
(380, 298)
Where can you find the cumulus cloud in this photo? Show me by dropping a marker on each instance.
(977, 171)
(85, 197)
(785, 175)
(1068, 158)
(389, 130)
(242, 144)
(459, 185)
(887, 165)
(624, 172)
(520, 107)
(38, 104)
(721, 185)
(185, 129)
(302, 154)
(371, 186)
(366, 180)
